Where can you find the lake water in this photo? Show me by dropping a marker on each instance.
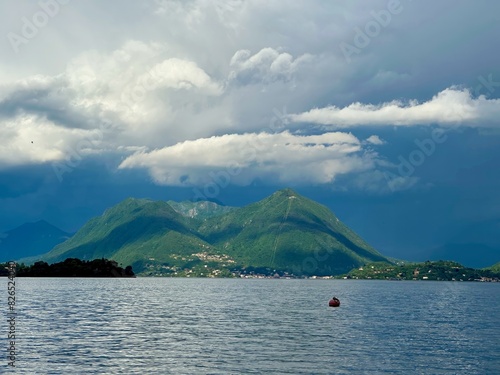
(227, 326)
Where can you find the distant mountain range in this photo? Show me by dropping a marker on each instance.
(474, 255)
(285, 232)
(29, 240)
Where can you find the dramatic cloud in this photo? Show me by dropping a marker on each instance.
(375, 140)
(274, 158)
(151, 98)
(139, 86)
(156, 84)
(450, 107)
(265, 66)
(32, 140)
(167, 73)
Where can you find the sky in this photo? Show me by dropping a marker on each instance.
(387, 112)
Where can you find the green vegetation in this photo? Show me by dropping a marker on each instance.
(439, 270)
(280, 233)
(132, 232)
(71, 267)
(283, 230)
(494, 268)
(200, 210)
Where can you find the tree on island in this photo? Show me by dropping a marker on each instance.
(73, 267)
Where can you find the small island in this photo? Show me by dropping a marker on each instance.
(71, 267)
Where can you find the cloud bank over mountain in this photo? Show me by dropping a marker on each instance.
(104, 100)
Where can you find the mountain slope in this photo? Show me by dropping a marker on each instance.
(474, 255)
(288, 231)
(132, 232)
(285, 231)
(495, 267)
(201, 209)
(30, 239)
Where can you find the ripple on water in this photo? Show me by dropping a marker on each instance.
(205, 326)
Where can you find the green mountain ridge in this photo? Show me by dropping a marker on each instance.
(441, 270)
(474, 255)
(133, 230)
(285, 232)
(201, 209)
(495, 267)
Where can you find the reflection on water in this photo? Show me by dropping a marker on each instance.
(215, 326)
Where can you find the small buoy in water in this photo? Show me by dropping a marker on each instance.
(334, 302)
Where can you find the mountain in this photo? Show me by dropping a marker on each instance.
(474, 245)
(473, 255)
(133, 232)
(200, 209)
(30, 239)
(441, 270)
(290, 232)
(283, 232)
(495, 267)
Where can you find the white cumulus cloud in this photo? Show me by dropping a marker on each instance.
(375, 140)
(282, 157)
(449, 107)
(28, 139)
(267, 65)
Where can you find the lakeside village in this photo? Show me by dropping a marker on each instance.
(216, 266)
(222, 266)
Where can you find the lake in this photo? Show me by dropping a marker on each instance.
(253, 326)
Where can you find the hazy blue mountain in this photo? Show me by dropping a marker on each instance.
(30, 239)
(473, 255)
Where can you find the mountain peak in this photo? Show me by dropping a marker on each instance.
(287, 192)
(36, 225)
(30, 239)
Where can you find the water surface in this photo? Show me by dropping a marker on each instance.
(234, 326)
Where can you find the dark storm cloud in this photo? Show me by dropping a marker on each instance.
(51, 102)
(173, 74)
